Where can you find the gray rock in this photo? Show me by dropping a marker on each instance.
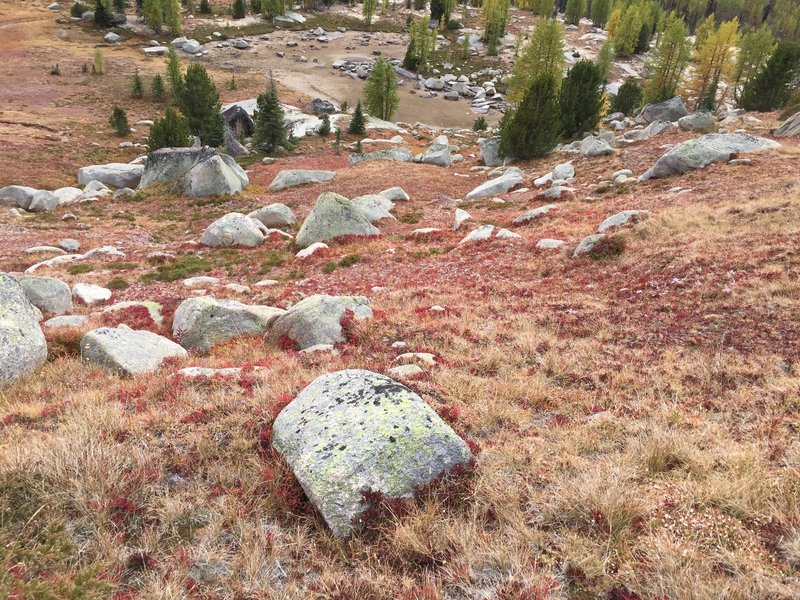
(23, 348)
(707, 149)
(123, 193)
(234, 229)
(191, 47)
(20, 194)
(669, 110)
(112, 38)
(434, 83)
(333, 216)
(203, 322)
(530, 215)
(790, 127)
(395, 194)
(43, 201)
(702, 120)
(622, 218)
(437, 154)
(459, 218)
(128, 351)
(118, 175)
(320, 107)
(167, 165)
(68, 195)
(499, 185)
(395, 154)
(652, 129)
(481, 234)
(194, 171)
(564, 171)
(49, 295)
(353, 432)
(275, 215)
(374, 207)
(587, 244)
(241, 44)
(88, 293)
(490, 152)
(595, 147)
(549, 244)
(293, 177)
(318, 320)
(232, 145)
(69, 245)
(66, 321)
(555, 192)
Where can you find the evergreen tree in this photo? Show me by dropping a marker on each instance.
(358, 124)
(380, 92)
(255, 6)
(205, 7)
(421, 45)
(174, 75)
(437, 10)
(325, 127)
(272, 8)
(626, 34)
(668, 60)
(628, 98)
(704, 29)
(575, 11)
(153, 14)
(238, 10)
(270, 126)
(581, 97)
(198, 100)
(599, 12)
(157, 88)
(479, 124)
(171, 12)
(771, 88)
(119, 6)
(102, 16)
(605, 59)
(755, 48)
(495, 15)
(118, 121)
(543, 8)
(543, 54)
(172, 131)
(368, 10)
(99, 63)
(137, 89)
(532, 129)
(714, 63)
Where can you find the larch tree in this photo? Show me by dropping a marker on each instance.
(420, 45)
(714, 63)
(544, 53)
(368, 10)
(668, 61)
(626, 33)
(599, 12)
(495, 15)
(174, 74)
(543, 8)
(380, 92)
(703, 30)
(755, 48)
(171, 9)
(153, 14)
(574, 12)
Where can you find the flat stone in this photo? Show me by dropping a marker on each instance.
(128, 351)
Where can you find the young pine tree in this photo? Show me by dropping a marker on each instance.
(544, 54)
(199, 102)
(118, 121)
(324, 128)
(668, 60)
(171, 14)
(380, 92)
(174, 75)
(575, 11)
(532, 129)
(628, 98)
(581, 97)
(102, 16)
(172, 131)
(137, 88)
(99, 62)
(543, 8)
(599, 12)
(358, 124)
(238, 9)
(755, 48)
(270, 127)
(437, 10)
(771, 88)
(153, 14)
(205, 7)
(368, 10)
(157, 88)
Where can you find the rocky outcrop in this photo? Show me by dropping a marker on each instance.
(333, 216)
(790, 127)
(394, 154)
(355, 432)
(23, 348)
(118, 175)
(194, 171)
(293, 177)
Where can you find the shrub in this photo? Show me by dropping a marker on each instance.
(79, 269)
(77, 9)
(118, 121)
(55, 70)
(533, 128)
(629, 97)
(102, 16)
(581, 97)
(205, 7)
(238, 10)
(99, 63)
(117, 283)
(771, 88)
(172, 131)
(479, 124)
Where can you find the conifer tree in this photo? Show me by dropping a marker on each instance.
(118, 121)
(174, 75)
(102, 16)
(358, 124)
(171, 11)
(325, 127)
(575, 11)
(771, 88)
(581, 97)
(153, 14)
(755, 48)
(420, 45)
(172, 131)
(368, 10)
(137, 89)
(626, 35)
(703, 30)
(543, 54)
(495, 15)
(532, 129)
(714, 63)
(605, 59)
(437, 10)
(270, 126)
(380, 92)
(198, 100)
(599, 12)
(628, 98)
(99, 62)
(157, 87)
(543, 8)
(238, 9)
(668, 61)
(205, 7)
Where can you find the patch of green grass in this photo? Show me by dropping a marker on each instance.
(273, 260)
(329, 267)
(117, 283)
(120, 266)
(124, 216)
(295, 275)
(201, 32)
(183, 267)
(410, 218)
(79, 269)
(349, 260)
(608, 248)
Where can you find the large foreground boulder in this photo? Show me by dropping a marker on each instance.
(23, 348)
(790, 127)
(203, 322)
(333, 216)
(194, 171)
(499, 185)
(707, 149)
(353, 433)
(669, 110)
(234, 229)
(118, 175)
(128, 351)
(292, 177)
(318, 320)
(48, 294)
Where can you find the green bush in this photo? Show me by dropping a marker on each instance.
(118, 121)
(479, 124)
(172, 131)
(772, 87)
(581, 97)
(533, 128)
(629, 97)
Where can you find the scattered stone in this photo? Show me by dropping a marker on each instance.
(669, 110)
(549, 244)
(48, 294)
(23, 348)
(128, 351)
(202, 323)
(312, 249)
(555, 192)
(294, 177)
(234, 229)
(459, 218)
(482, 233)
(623, 218)
(438, 153)
(790, 127)
(702, 120)
(406, 371)
(374, 207)
(499, 185)
(66, 321)
(587, 244)
(505, 234)
(318, 320)
(592, 146)
(194, 171)
(333, 216)
(395, 154)
(43, 201)
(368, 433)
(88, 293)
(118, 175)
(425, 231)
(45, 250)
(112, 38)
(320, 107)
(275, 215)
(395, 194)
(200, 280)
(530, 215)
